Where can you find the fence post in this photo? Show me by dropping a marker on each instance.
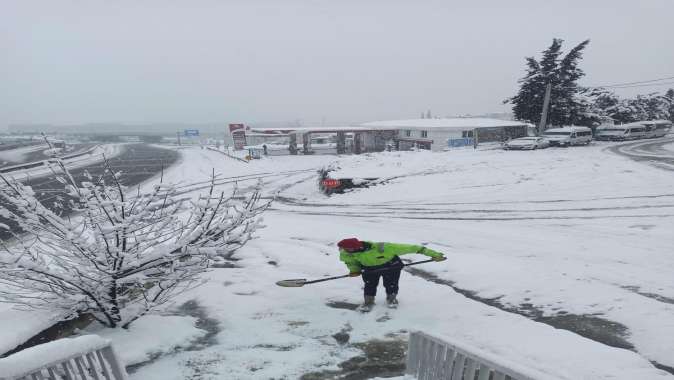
(429, 358)
(118, 371)
(412, 360)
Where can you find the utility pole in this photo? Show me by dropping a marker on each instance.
(546, 105)
(178, 134)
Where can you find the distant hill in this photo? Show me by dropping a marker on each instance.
(119, 129)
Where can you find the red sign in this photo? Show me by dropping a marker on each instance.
(238, 132)
(235, 127)
(331, 183)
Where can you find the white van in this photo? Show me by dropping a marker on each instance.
(566, 136)
(657, 128)
(649, 129)
(631, 131)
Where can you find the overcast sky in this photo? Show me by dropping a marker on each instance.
(143, 61)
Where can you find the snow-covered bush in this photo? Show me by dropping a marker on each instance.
(119, 255)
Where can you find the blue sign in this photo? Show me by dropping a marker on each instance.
(191, 132)
(457, 143)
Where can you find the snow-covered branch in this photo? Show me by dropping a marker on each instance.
(121, 254)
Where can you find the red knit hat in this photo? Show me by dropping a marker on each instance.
(351, 244)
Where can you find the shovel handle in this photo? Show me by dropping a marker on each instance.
(419, 262)
(379, 270)
(348, 275)
(327, 279)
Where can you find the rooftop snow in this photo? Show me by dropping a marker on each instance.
(459, 123)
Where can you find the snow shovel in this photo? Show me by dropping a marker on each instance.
(299, 282)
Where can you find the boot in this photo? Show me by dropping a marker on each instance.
(368, 304)
(391, 300)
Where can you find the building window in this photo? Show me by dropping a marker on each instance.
(408, 133)
(424, 134)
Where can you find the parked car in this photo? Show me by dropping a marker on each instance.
(523, 143)
(630, 131)
(567, 136)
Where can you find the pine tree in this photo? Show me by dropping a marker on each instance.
(651, 106)
(528, 102)
(657, 106)
(565, 106)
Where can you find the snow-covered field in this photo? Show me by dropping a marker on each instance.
(17, 155)
(96, 155)
(557, 232)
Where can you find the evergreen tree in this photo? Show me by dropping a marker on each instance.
(565, 106)
(655, 106)
(652, 106)
(528, 102)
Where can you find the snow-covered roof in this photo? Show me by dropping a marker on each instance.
(567, 129)
(649, 122)
(360, 128)
(453, 123)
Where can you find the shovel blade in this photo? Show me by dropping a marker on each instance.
(294, 283)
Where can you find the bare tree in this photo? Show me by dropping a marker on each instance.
(120, 255)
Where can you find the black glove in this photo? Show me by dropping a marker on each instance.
(439, 258)
(354, 274)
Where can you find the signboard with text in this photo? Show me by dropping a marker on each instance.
(191, 132)
(457, 143)
(238, 132)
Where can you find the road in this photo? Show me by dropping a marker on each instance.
(653, 152)
(35, 153)
(137, 163)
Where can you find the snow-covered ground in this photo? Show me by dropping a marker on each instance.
(18, 155)
(94, 156)
(577, 231)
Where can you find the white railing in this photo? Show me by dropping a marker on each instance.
(88, 357)
(430, 358)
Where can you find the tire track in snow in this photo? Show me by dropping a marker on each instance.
(295, 201)
(593, 327)
(652, 152)
(513, 218)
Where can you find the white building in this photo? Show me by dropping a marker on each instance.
(434, 134)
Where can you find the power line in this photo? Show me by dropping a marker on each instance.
(615, 88)
(638, 82)
(644, 85)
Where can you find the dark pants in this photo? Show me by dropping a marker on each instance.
(390, 271)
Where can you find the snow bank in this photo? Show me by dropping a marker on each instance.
(18, 155)
(151, 335)
(48, 353)
(94, 156)
(20, 325)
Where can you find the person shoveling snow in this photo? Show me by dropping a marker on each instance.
(373, 260)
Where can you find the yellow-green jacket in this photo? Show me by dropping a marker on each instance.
(381, 253)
